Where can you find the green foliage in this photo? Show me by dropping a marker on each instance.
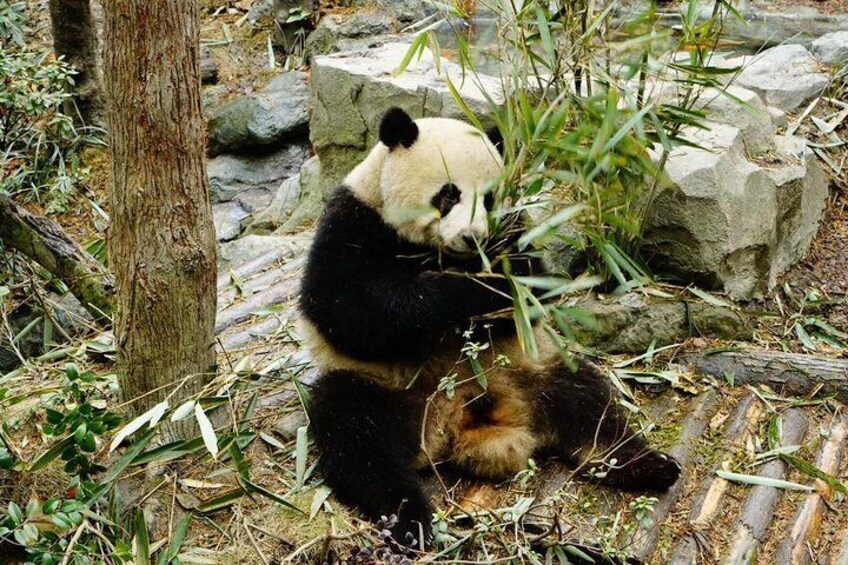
(12, 23)
(76, 419)
(79, 417)
(38, 141)
(591, 106)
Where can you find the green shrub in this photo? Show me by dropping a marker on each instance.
(38, 142)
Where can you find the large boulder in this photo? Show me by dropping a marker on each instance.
(253, 180)
(785, 76)
(633, 322)
(728, 222)
(348, 32)
(832, 48)
(262, 120)
(744, 109)
(351, 91)
(285, 200)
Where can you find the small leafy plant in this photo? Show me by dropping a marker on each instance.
(38, 141)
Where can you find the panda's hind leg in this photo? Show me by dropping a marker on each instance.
(578, 413)
(495, 436)
(367, 437)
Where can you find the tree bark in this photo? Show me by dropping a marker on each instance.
(75, 39)
(792, 373)
(43, 240)
(162, 240)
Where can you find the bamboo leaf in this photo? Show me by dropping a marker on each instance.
(142, 540)
(300, 455)
(157, 412)
(132, 452)
(132, 427)
(804, 337)
(321, 495)
(183, 410)
(178, 538)
(51, 454)
(709, 298)
(268, 494)
(812, 471)
(207, 432)
(762, 481)
(222, 501)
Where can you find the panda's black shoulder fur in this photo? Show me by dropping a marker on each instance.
(378, 297)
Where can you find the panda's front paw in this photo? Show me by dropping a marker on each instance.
(649, 471)
(411, 528)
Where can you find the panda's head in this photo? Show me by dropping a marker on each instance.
(431, 179)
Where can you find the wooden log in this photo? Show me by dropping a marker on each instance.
(258, 282)
(708, 502)
(245, 336)
(259, 264)
(840, 553)
(793, 373)
(758, 510)
(645, 539)
(277, 294)
(793, 550)
(43, 240)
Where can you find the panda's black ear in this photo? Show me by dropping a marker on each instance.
(397, 128)
(494, 135)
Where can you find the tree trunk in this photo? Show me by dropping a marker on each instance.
(43, 240)
(75, 39)
(162, 240)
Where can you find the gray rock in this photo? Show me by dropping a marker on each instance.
(784, 76)
(405, 11)
(272, 217)
(242, 250)
(255, 199)
(352, 90)
(766, 28)
(232, 175)
(208, 67)
(260, 10)
(832, 48)
(347, 32)
(211, 97)
(227, 218)
(264, 119)
(291, 19)
(564, 251)
(731, 223)
(751, 116)
(760, 26)
(630, 323)
(287, 427)
(313, 193)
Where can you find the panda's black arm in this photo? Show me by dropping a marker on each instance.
(367, 294)
(396, 316)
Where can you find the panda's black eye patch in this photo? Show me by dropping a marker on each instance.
(446, 199)
(489, 200)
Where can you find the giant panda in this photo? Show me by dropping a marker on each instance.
(392, 285)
